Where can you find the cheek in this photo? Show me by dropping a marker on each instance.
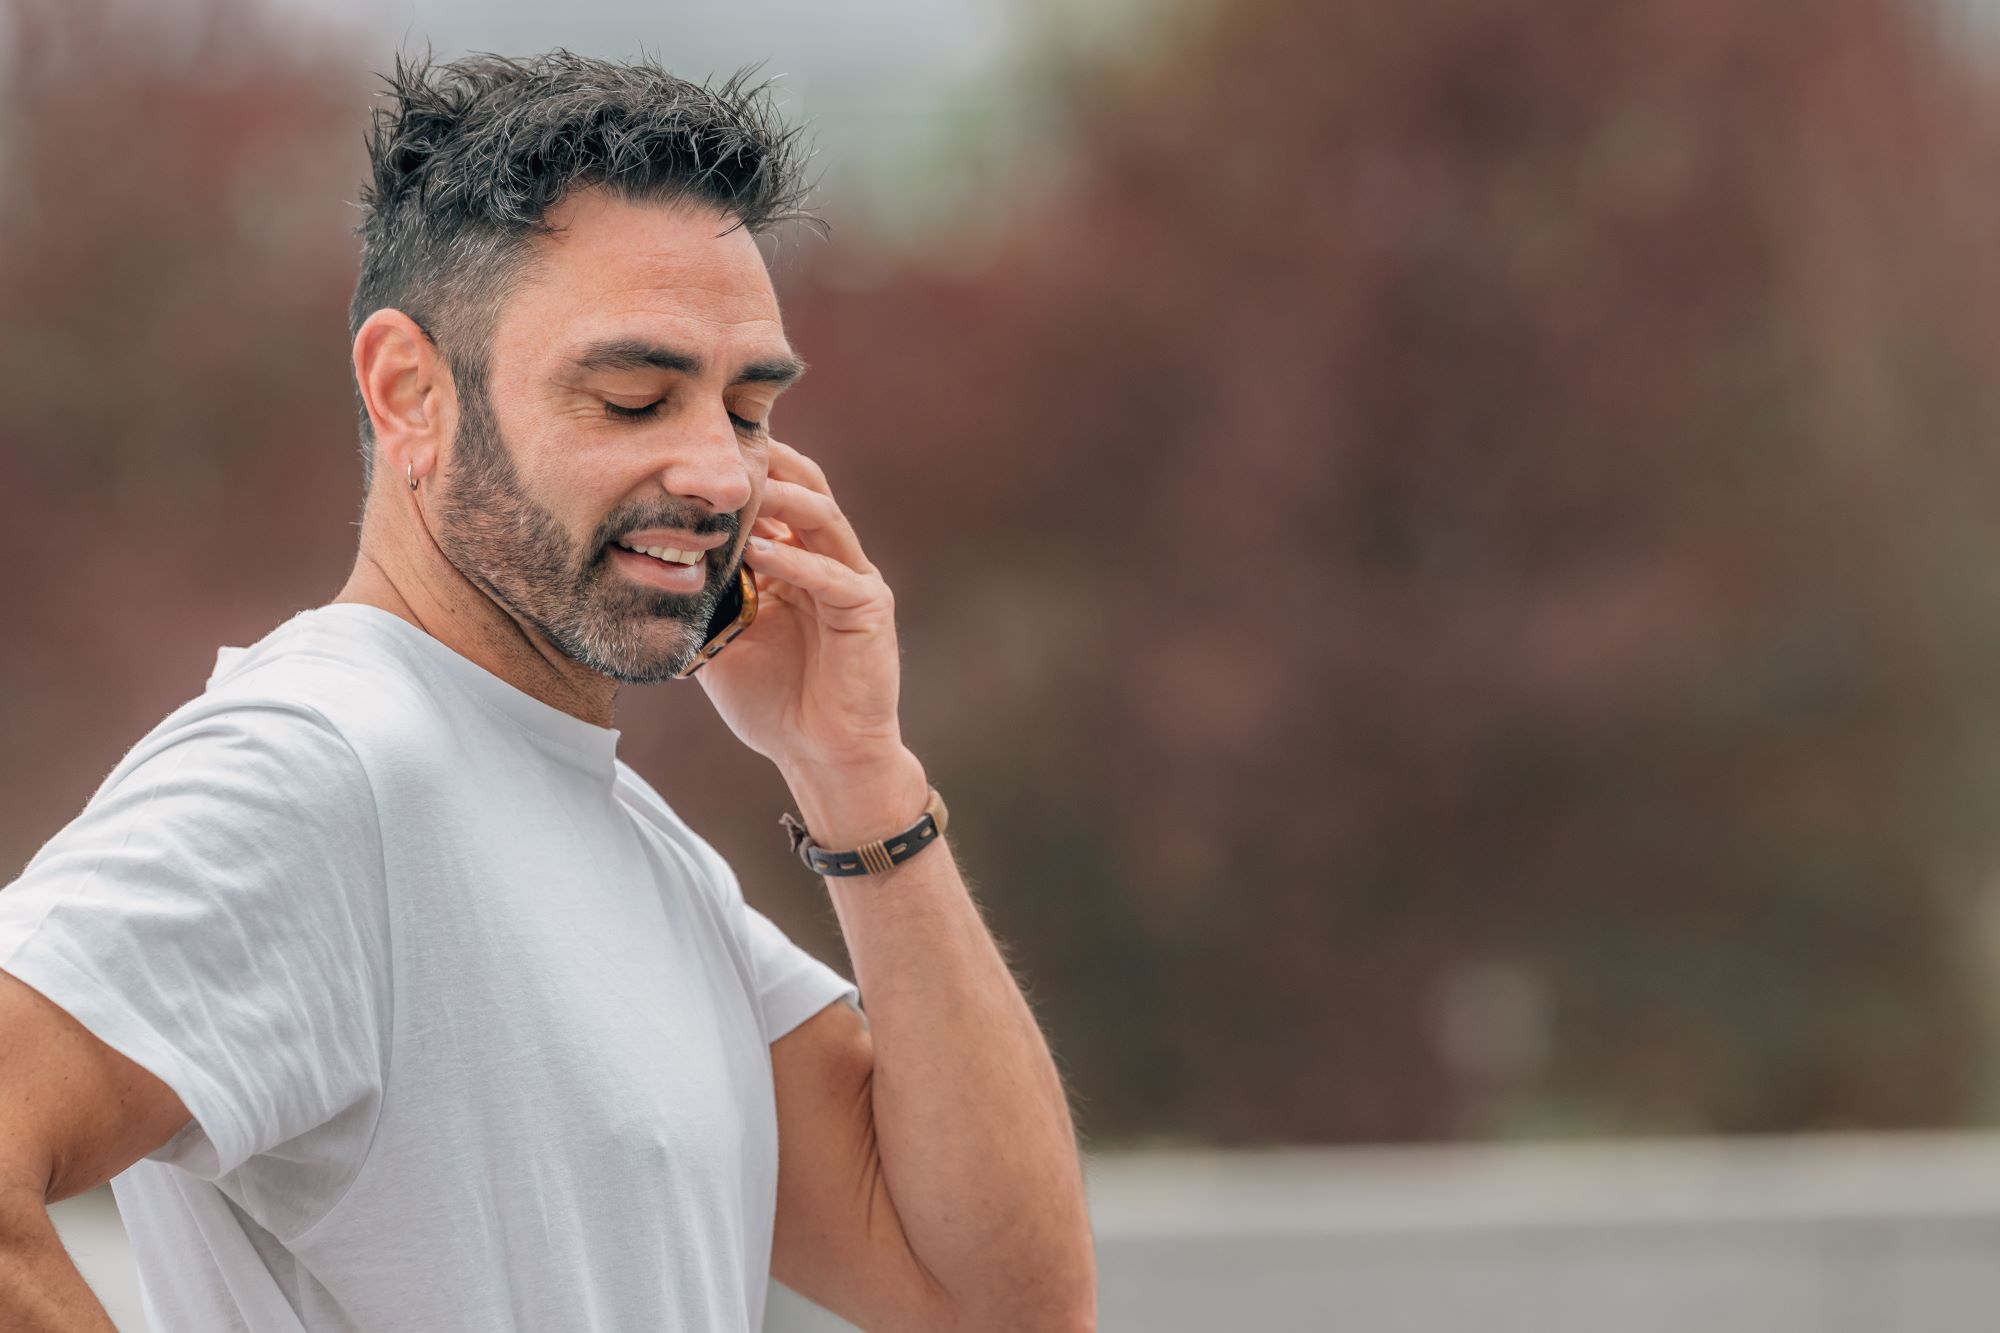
(567, 480)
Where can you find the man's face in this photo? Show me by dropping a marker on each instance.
(628, 383)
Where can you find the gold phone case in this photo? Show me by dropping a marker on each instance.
(735, 627)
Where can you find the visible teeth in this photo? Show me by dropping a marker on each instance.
(667, 553)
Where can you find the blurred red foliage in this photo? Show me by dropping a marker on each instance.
(1443, 562)
(1457, 487)
(176, 451)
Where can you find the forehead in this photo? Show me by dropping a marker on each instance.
(616, 269)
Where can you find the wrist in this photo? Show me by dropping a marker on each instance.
(844, 807)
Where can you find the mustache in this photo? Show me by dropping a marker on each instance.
(687, 518)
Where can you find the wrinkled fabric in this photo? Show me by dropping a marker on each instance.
(472, 1029)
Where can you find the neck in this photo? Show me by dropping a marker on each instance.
(406, 575)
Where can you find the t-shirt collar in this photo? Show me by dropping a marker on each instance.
(594, 746)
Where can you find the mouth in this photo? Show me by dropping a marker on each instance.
(662, 566)
(666, 554)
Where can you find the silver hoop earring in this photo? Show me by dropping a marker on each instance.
(412, 467)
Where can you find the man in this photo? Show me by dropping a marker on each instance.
(390, 997)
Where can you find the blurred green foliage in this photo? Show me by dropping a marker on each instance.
(1444, 548)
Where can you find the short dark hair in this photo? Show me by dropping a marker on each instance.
(468, 156)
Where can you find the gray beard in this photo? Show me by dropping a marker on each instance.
(514, 550)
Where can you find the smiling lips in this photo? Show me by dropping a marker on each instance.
(666, 553)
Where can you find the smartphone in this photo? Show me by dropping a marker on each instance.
(733, 615)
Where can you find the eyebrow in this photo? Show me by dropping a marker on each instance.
(639, 354)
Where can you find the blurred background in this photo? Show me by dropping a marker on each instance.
(1447, 555)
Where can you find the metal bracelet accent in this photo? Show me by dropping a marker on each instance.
(873, 858)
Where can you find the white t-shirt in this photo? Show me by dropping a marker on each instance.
(473, 1030)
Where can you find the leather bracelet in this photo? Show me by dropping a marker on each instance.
(872, 858)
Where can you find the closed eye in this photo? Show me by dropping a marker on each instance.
(652, 409)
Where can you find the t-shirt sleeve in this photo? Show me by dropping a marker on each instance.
(217, 914)
(792, 985)
(788, 984)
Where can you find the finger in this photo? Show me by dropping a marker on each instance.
(816, 520)
(833, 585)
(788, 464)
(775, 529)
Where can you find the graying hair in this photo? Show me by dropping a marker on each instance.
(468, 156)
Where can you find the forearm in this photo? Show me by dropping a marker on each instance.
(40, 1289)
(972, 1124)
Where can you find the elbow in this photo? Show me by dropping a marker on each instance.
(1040, 1318)
(1074, 1309)
(1075, 1315)
(1068, 1306)
(1079, 1318)
(1069, 1299)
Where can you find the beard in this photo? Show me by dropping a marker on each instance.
(500, 539)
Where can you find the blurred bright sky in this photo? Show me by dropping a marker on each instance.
(913, 102)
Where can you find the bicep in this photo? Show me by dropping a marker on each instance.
(838, 1239)
(73, 1111)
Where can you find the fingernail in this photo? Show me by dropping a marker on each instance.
(760, 543)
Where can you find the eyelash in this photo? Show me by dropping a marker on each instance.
(617, 413)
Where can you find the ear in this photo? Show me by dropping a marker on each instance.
(408, 392)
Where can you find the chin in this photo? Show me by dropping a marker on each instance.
(658, 658)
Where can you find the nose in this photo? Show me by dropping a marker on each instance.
(707, 463)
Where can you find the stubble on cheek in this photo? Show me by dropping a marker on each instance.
(573, 594)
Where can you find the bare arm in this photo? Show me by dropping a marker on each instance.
(976, 1141)
(73, 1114)
(928, 1171)
(929, 1175)
(40, 1289)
